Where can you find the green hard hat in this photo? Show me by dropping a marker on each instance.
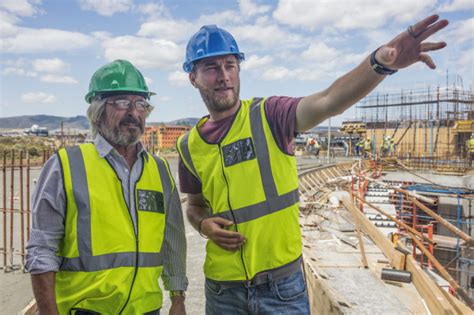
(117, 76)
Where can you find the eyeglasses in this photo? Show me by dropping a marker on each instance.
(125, 104)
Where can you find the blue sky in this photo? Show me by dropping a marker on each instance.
(50, 49)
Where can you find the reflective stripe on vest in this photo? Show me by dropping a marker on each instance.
(273, 202)
(85, 261)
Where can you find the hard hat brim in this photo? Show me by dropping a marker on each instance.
(188, 65)
(90, 95)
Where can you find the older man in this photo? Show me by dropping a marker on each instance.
(107, 220)
(239, 171)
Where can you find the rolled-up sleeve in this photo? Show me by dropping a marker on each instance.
(48, 206)
(174, 248)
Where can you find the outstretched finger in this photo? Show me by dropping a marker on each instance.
(425, 33)
(424, 47)
(423, 24)
(427, 60)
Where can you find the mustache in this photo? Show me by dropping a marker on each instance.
(130, 120)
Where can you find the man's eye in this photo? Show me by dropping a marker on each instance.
(122, 102)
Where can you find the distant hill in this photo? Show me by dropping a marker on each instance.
(78, 122)
(50, 122)
(191, 121)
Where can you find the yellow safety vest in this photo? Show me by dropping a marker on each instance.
(106, 267)
(471, 145)
(246, 178)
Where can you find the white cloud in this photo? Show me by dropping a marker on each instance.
(54, 65)
(255, 62)
(301, 74)
(167, 29)
(148, 81)
(276, 73)
(38, 97)
(164, 99)
(106, 7)
(461, 31)
(53, 78)
(153, 9)
(7, 24)
(28, 40)
(265, 34)
(466, 62)
(248, 8)
(179, 78)
(456, 5)
(356, 14)
(20, 7)
(143, 52)
(101, 35)
(320, 52)
(222, 19)
(19, 72)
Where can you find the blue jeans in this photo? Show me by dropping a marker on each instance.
(284, 296)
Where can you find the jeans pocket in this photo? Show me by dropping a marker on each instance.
(291, 287)
(213, 287)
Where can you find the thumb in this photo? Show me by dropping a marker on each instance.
(223, 221)
(386, 55)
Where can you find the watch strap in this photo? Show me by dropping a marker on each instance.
(378, 67)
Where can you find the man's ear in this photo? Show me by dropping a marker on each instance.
(192, 79)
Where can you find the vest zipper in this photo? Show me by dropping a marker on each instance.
(136, 238)
(232, 212)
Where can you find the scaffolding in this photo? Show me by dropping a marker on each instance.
(424, 123)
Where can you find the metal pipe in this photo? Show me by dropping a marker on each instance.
(469, 240)
(12, 196)
(22, 209)
(398, 222)
(396, 275)
(4, 171)
(403, 191)
(28, 166)
(459, 290)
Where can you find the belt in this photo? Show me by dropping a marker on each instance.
(264, 277)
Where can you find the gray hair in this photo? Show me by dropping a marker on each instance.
(95, 112)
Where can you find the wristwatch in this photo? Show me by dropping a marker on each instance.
(378, 67)
(177, 293)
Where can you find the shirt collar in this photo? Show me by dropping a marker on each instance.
(104, 147)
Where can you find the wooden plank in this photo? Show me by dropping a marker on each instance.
(361, 246)
(322, 299)
(428, 290)
(397, 259)
(313, 176)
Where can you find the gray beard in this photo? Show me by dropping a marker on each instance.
(116, 136)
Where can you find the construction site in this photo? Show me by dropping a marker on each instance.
(387, 228)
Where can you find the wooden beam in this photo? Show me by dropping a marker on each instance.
(459, 290)
(397, 259)
(400, 223)
(469, 240)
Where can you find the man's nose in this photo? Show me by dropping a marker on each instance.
(224, 74)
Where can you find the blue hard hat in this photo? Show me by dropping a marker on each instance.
(210, 41)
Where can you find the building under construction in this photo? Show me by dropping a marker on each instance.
(427, 126)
